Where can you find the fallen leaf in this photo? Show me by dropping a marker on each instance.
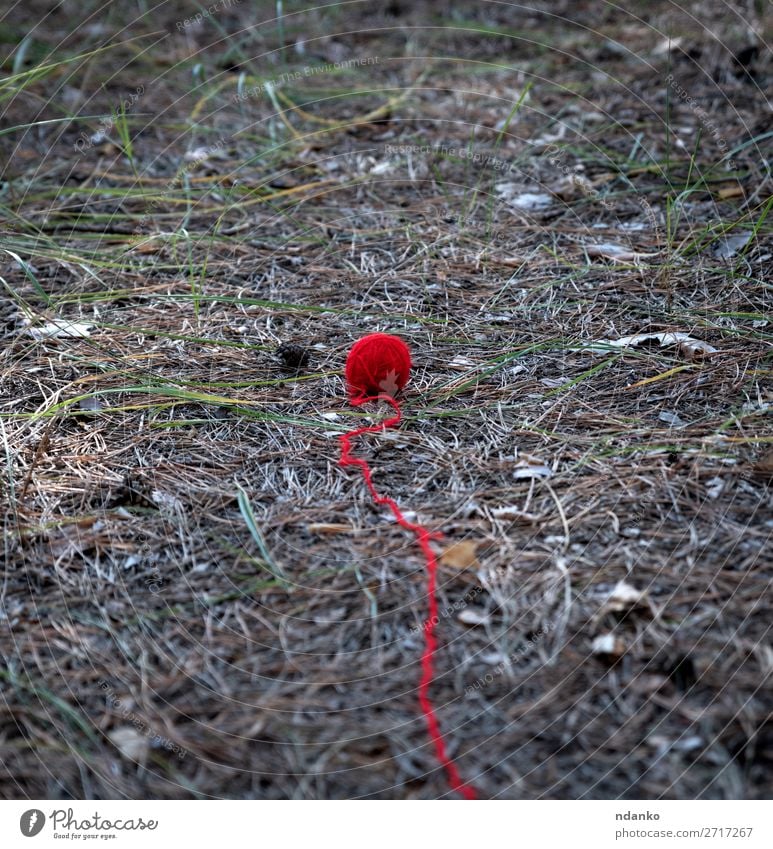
(199, 154)
(609, 645)
(531, 467)
(694, 349)
(671, 419)
(690, 347)
(609, 250)
(530, 200)
(714, 487)
(130, 743)
(729, 246)
(667, 45)
(623, 597)
(730, 192)
(383, 167)
(90, 405)
(472, 617)
(460, 555)
(513, 194)
(61, 328)
(166, 500)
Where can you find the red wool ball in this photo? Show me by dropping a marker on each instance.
(378, 363)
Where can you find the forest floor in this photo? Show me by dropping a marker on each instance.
(565, 214)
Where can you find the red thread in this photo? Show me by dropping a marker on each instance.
(423, 536)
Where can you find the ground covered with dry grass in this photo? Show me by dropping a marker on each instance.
(196, 600)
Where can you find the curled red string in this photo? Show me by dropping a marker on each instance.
(423, 536)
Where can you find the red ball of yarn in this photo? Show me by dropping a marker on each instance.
(378, 363)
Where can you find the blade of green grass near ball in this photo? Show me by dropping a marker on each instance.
(69, 119)
(121, 124)
(249, 519)
(675, 205)
(93, 297)
(483, 372)
(155, 387)
(11, 85)
(45, 696)
(198, 288)
(489, 305)
(516, 108)
(237, 404)
(581, 377)
(710, 232)
(741, 147)
(755, 229)
(30, 275)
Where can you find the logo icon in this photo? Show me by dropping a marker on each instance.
(32, 822)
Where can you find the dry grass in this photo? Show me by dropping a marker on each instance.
(153, 644)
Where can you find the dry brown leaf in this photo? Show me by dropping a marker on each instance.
(461, 555)
(149, 247)
(329, 528)
(511, 193)
(764, 465)
(514, 513)
(730, 192)
(694, 349)
(61, 328)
